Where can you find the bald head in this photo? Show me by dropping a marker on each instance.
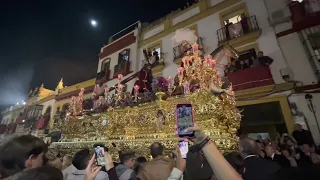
(248, 146)
(156, 149)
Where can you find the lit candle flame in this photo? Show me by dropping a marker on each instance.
(180, 70)
(120, 76)
(195, 47)
(106, 90)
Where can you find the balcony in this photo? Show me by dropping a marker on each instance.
(156, 61)
(247, 30)
(305, 14)
(182, 49)
(311, 42)
(252, 77)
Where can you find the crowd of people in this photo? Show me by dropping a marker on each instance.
(249, 62)
(287, 157)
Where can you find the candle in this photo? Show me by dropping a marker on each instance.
(208, 60)
(195, 47)
(120, 76)
(180, 70)
(184, 60)
(120, 86)
(136, 87)
(169, 79)
(213, 63)
(106, 90)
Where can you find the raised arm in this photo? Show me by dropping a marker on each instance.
(221, 168)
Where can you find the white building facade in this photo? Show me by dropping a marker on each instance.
(297, 28)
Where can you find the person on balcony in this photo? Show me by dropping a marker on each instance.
(263, 60)
(233, 66)
(247, 64)
(244, 23)
(156, 55)
(227, 29)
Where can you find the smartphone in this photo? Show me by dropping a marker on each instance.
(99, 151)
(184, 119)
(184, 148)
(114, 145)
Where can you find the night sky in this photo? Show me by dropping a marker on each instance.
(43, 41)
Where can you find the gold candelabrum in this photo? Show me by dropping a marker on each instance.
(135, 128)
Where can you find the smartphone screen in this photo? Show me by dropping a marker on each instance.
(99, 155)
(184, 119)
(184, 148)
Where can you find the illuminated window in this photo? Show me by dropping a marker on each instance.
(154, 52)
(233, 19)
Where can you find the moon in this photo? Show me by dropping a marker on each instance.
(93, 23)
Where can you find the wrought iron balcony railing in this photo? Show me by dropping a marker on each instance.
(243, 27)
(182, 49)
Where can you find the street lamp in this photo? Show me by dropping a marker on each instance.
(309, 98)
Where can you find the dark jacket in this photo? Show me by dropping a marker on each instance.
(303, 137)
(259, 169)
(281, 160)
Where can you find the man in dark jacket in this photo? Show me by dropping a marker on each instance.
(264, 60)
(278, 158)
(302, 136)
(255, 167)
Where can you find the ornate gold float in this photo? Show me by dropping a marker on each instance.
(135, 128)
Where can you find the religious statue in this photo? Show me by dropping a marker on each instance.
(99, 90)
(160, 118)
(144, 79)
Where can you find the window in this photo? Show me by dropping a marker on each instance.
(105, 64)
(124, 56)
(233, 15)
(233, 19)
(311, 43)
(154, 52)
(315, 43)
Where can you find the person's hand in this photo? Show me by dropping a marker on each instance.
(180, 162)
(108, 159)
(199, 135)
(92, 170)
(117, 149)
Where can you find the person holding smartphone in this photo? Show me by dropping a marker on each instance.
(221, 168)
(93, 170)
